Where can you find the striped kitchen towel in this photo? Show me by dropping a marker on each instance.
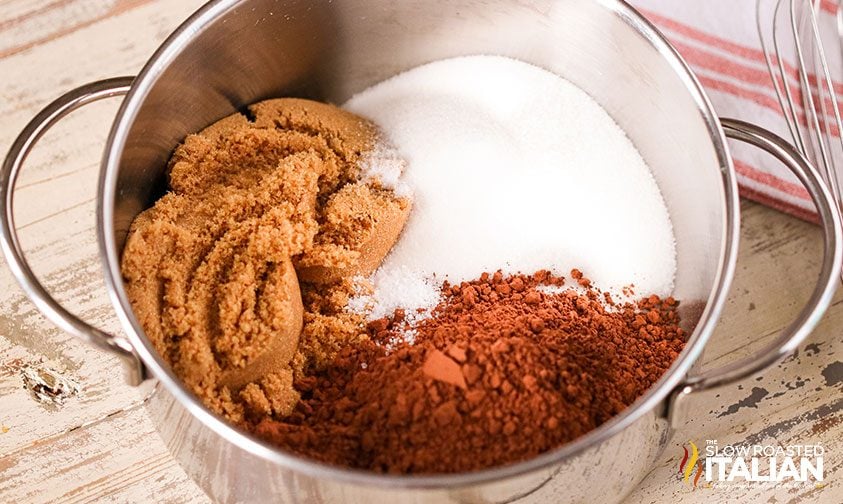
(719, 40)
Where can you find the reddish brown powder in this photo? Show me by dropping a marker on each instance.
(501, 373)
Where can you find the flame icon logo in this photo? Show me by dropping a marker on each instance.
(689, 463)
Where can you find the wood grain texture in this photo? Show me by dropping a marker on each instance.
(119, 458)
(101, 446)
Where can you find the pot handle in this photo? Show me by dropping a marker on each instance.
(12, 251)
(827, 283)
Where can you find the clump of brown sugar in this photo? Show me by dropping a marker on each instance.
(503, 371)
(213, 268)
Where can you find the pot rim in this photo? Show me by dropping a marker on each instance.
(655, 396)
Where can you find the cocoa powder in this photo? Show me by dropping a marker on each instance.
(504, 370)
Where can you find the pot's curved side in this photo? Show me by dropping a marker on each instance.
(606, 472)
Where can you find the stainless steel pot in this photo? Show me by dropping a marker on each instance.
(234, 52)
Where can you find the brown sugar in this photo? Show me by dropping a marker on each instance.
(360, 225)
(495, 376)
(209, 269)
(283, 329)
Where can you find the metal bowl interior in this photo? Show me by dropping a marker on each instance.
(235, 52)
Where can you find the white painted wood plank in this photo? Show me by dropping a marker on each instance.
(121, 459)
(55, 207)
(21, 31)
(13, 10)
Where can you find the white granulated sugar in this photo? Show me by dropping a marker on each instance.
(385, 164)
(512, 167)
(552, 290)
(398, 287)
(619, 296)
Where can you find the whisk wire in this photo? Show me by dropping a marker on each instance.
(825, 72)
(814, 127)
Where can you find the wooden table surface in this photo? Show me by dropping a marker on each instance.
(100, 445)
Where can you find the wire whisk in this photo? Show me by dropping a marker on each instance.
(805, 88)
